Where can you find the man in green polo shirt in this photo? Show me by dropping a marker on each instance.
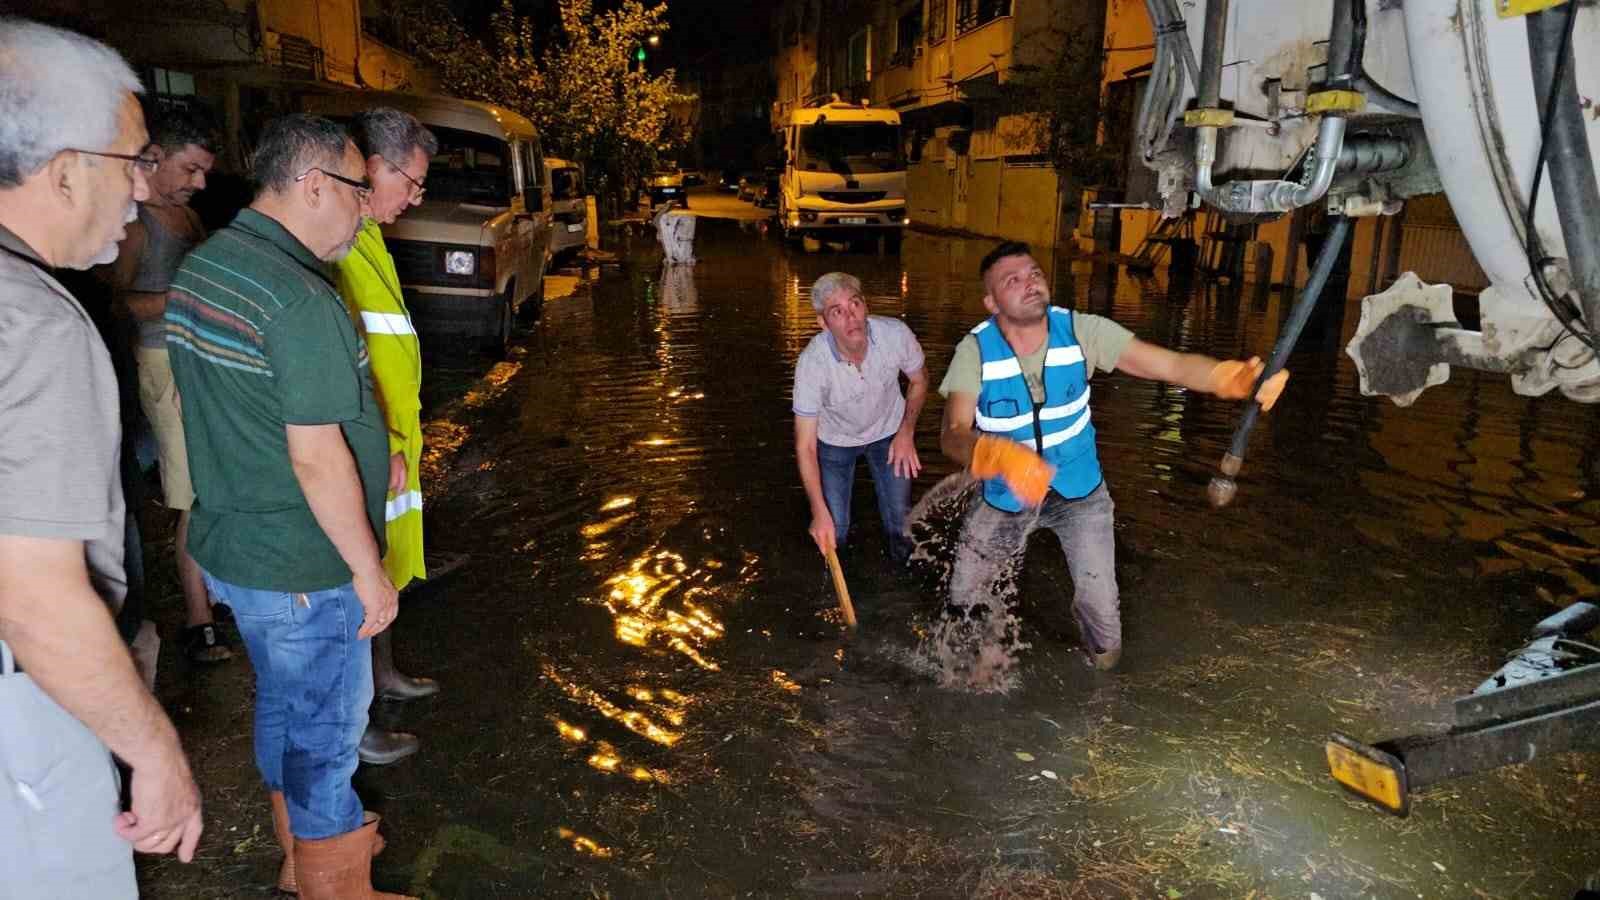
(289, 456)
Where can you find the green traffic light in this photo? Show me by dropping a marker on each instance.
(639, 54)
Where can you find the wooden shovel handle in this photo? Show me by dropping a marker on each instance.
(839, 587)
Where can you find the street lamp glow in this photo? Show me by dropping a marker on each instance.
(655, 40)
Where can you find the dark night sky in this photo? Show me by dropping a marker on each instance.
(704, 33)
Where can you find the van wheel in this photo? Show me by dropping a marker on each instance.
(532, 309)
(498, 343)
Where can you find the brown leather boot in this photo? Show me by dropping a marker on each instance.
(340, 867)
(280, 828)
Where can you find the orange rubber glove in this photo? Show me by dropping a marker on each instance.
(1024, 471)
(1232, 380)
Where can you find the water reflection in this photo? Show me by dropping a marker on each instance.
(657, 488)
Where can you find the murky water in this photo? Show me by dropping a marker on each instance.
(648, 692)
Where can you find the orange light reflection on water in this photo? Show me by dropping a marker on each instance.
(635, 599)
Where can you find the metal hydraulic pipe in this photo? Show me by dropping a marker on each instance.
(1344, 42)
(1281, 196)
(1343, 45)
(1572, 178)
(1223, 487)
(1158, 74)
(1209, 91)
(1330, 143)
(1174, 20)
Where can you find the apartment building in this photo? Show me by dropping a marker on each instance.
(941, 65)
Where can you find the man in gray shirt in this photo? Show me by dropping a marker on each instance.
(847, 404)
(167, 229)
(69, 176)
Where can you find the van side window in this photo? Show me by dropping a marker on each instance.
(470, 168)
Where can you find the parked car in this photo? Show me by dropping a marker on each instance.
(472, 256)
(692, 177)
(668, 185)
(750, 187)
(569, 215)
(769, 189)
(729, 180)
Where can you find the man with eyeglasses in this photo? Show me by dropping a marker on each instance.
(184, 143)
(289, 456)
(397, 149)
(69, 178)
(848, 405)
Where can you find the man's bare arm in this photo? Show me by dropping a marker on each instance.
(326, 470)
(958, 436)
(62, 634)
(916, 397)
(1142, 359)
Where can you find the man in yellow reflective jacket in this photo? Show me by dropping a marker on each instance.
(397, 149)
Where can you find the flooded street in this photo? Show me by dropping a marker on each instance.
(648, 691)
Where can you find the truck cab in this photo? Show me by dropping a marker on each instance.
(474, 253)
(844, 174)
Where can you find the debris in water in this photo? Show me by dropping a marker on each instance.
(1025, 757)
(1048, 774)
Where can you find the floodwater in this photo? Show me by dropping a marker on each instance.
(648, 691)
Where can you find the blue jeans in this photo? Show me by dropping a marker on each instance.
(838, 465)
(313, 687)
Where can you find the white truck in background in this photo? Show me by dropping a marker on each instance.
(844, 174)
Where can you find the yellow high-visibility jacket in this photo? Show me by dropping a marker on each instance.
(371, 289)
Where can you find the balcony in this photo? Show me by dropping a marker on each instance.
(903, 56)
(974, 14)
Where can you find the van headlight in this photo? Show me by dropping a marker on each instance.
(460, 262)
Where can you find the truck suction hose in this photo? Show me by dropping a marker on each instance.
(1223, 487)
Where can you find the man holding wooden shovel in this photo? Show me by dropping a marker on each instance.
(848, 404)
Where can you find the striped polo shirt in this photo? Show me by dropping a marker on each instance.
(260, 340)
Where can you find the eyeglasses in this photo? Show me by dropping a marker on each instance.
(415, 184)
(363, 188)
(144, 161)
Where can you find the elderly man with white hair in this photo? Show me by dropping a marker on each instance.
(71, 170)
(848, 405)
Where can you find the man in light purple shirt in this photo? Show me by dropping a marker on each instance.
(848, 404)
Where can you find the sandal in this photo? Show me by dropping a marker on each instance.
(204, 644)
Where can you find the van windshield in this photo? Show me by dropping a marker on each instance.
(851, 148)
(566, 183)
(470, 168)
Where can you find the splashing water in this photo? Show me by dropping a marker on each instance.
(974, 643)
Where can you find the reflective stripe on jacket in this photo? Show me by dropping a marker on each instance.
(1059, 428)
(371, 289)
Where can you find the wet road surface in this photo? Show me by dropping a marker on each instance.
(647, 692)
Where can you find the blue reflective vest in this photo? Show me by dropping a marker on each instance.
(1059, 428)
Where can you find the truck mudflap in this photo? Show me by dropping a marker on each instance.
(1545, 699)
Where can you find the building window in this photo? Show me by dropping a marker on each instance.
(906, 34)
(168, 83)
(938, 14)
(972, 13)
(858, 62)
